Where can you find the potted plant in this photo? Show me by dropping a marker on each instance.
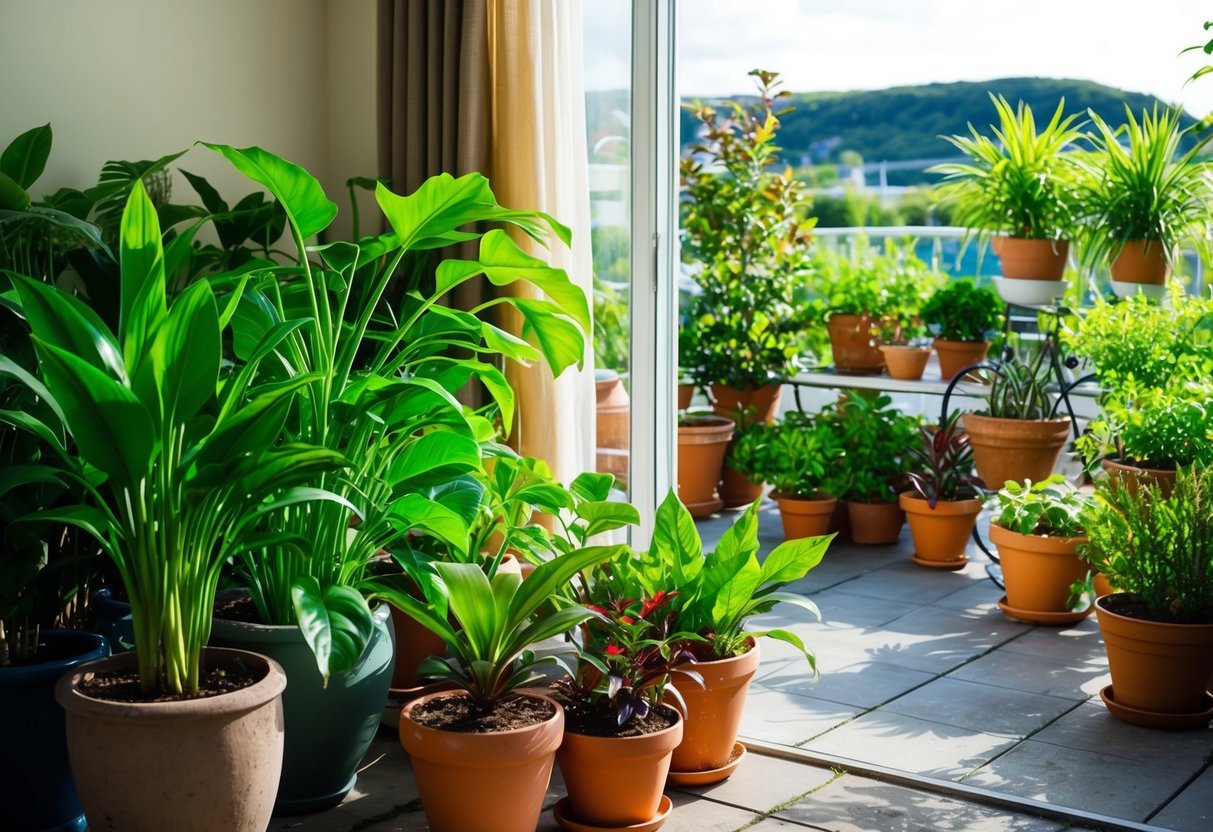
(613, 409)
(800, 458)
(945, 499)
(876, 439)
(193, 471)
(906, 347)
(488, 738)
(1021, 186)
(746, 229)
(718, 592)
(1038, 530)
(870, 297)
(1019, 436)
(1158, 628)
(963, 317)
(617, 729)
(1143, 196)
(703, 441)
(379, 391)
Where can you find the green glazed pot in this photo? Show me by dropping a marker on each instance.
(328, 730)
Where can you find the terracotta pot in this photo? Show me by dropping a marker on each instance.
(1102, 585)
(613, 424)
(907, 363)
(482, 782)
(36, 787)
(803, 516)
(954, 356)
(1141, 261)
(714, 711)
(414, 643)
(875, 523)
(854, 344)
(328, 727)
(1038, 570)
(1024, 259)
(735, 488)
(730, 401)
(840, 521)
(1157, 667)
(941, 534)
(193, 766)
(686, 392)
(702, 441)
(1132, 475)
(617, 781)
(1015, 449)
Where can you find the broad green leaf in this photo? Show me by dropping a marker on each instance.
(461, 495)
(420, 611)
(550, 576)
(336, 623)
(419, 513)
(451, 272)
(87, 231)
(143, 291)
(434, 457)
(255, 425)
(731, 591)
(301, 196)
(254, 317)
(794, 640)
(674, 531)
(95, 522)
(12, 196)
(188, 346)
(559, 338)
(504, 262)
(110, 425)
(792, 559)
(69, 324)
(471, 600)
(23, 421)
(592, 487)
(11, 368)
(605, 516)
(25, 157)
(512, 347)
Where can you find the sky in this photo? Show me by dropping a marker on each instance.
(820, 45)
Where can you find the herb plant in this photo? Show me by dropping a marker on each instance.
(889, 282)
(1047, 508)
(1158, 550)
(962, 311)
(1154, 427)
(799, 456)
(876, 439)
(944, 464)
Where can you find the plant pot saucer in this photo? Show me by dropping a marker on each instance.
(1029, 292)
(711, 775)
(958, 563)
(1156, 719)
(706, 508)
(560, 811)
(1050, 619)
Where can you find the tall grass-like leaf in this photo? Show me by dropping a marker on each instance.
(67, 323)
(190, 351)
(143, 305)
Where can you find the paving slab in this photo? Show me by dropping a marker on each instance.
(1079, 779)
(1192, 810)
(863, 684)
(777, 716)
(974, 706)
(762, 783)
(695, 814)
(911, 744)
(839, 606)
(857, 804)
(978, 595)
(1090, 727)
(902, 580)
(1078, 680)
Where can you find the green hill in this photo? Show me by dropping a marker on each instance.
(905, 123)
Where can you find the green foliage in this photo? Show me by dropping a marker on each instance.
(1019, 390)
(1140, 184)
(190, 482)
(1160, 550)
(942, 466)
(877, 439)
(1019, 182)
(721, 589)
(1049, 507)
(962, 311)
(612, 345)
(800, 456)
(1207, 48)
(746, 227)
(1152, 426)
(885, 282)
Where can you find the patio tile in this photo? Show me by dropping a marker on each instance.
(778, 716)
(1082, 779)
(863, 684)
(856, 804)
(761, 783)
(694, 814)
(841, 607)
(1080, 642)
(911, 744)
(979, 595)
(1090, 727)
(902, 580)
(1192, 809)
(1052, 676)
(976, 707)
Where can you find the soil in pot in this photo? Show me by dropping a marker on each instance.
(36, 787)
(634, 762)
(1024, 259)
(194, 765)
(854, 345)
(941, 534)
(804, 516)
(875, 523)
(702, 442)
(1015, 449)
(906, 363)
(482, 782)
(954, 356)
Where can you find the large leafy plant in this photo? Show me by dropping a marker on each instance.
(377, 382)
(886, 282)
(719, 590)
(1155, 427)
(745, 227)
(960, 310)
(1018, 181)
(193, 465)
(1019, 389)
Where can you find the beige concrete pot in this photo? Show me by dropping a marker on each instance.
(199, 765)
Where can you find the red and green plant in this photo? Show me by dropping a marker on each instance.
(945, 469)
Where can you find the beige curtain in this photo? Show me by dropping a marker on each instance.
(539, 160)
(495, 86)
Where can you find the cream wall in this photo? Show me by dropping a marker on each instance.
(136, 79)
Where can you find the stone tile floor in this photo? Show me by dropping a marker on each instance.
(932, 712)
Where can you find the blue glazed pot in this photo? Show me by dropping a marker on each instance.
(112, 619)
(328, 730)
(36, 789)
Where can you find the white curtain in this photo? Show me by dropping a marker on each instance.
(539, 161)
